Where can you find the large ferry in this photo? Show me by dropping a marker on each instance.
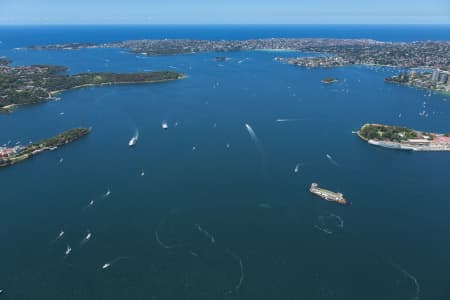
(327, 195)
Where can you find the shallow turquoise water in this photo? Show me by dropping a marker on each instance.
(247, 196)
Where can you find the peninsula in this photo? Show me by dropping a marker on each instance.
(328, 52)
(39, 83)
(15, 154)
(403, 138)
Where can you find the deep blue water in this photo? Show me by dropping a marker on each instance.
(246, 196)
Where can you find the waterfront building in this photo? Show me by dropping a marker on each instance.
(6, 152)
(435, 75)
(443, 78)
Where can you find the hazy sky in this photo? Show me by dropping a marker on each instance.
(224, 11)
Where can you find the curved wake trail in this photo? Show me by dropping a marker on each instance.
(208, 235)
(158, 239)
(252, 133)
(411, 277)
(112, 262)
(257, 143)
(331, 160)
(241, 269)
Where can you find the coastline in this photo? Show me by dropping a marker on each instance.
(51, 143)
(409, 144)
(275, 50)
(447, 93)
(10, 107)
(113, 83)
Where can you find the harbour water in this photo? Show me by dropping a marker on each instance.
(218, 216)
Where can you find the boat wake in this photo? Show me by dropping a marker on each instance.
(411, 277)
(287, 120)
(112, 262)
(209, 236)
(158, 239)
(331, 160)
(329, 223)
(241, 271)
(257, 143)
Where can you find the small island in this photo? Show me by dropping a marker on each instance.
(39, 83)
(329, 80)
(403, 138)
(221, 58)
(15, 154)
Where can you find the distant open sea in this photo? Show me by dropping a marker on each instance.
(219, 212)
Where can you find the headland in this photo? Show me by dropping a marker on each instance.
(403, 138)
(18, 153)
(21, 85)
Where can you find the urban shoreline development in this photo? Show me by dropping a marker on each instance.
(430, 59)
(40, 83)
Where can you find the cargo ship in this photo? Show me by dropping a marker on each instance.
(327, 195)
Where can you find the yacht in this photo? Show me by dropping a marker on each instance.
(68, 250)
(133, 140)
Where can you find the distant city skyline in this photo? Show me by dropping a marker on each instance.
(224, 12)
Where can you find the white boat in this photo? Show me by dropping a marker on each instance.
(164, 125)
(68, 250)
(134, 139)
(132, 142)
(105, 266)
